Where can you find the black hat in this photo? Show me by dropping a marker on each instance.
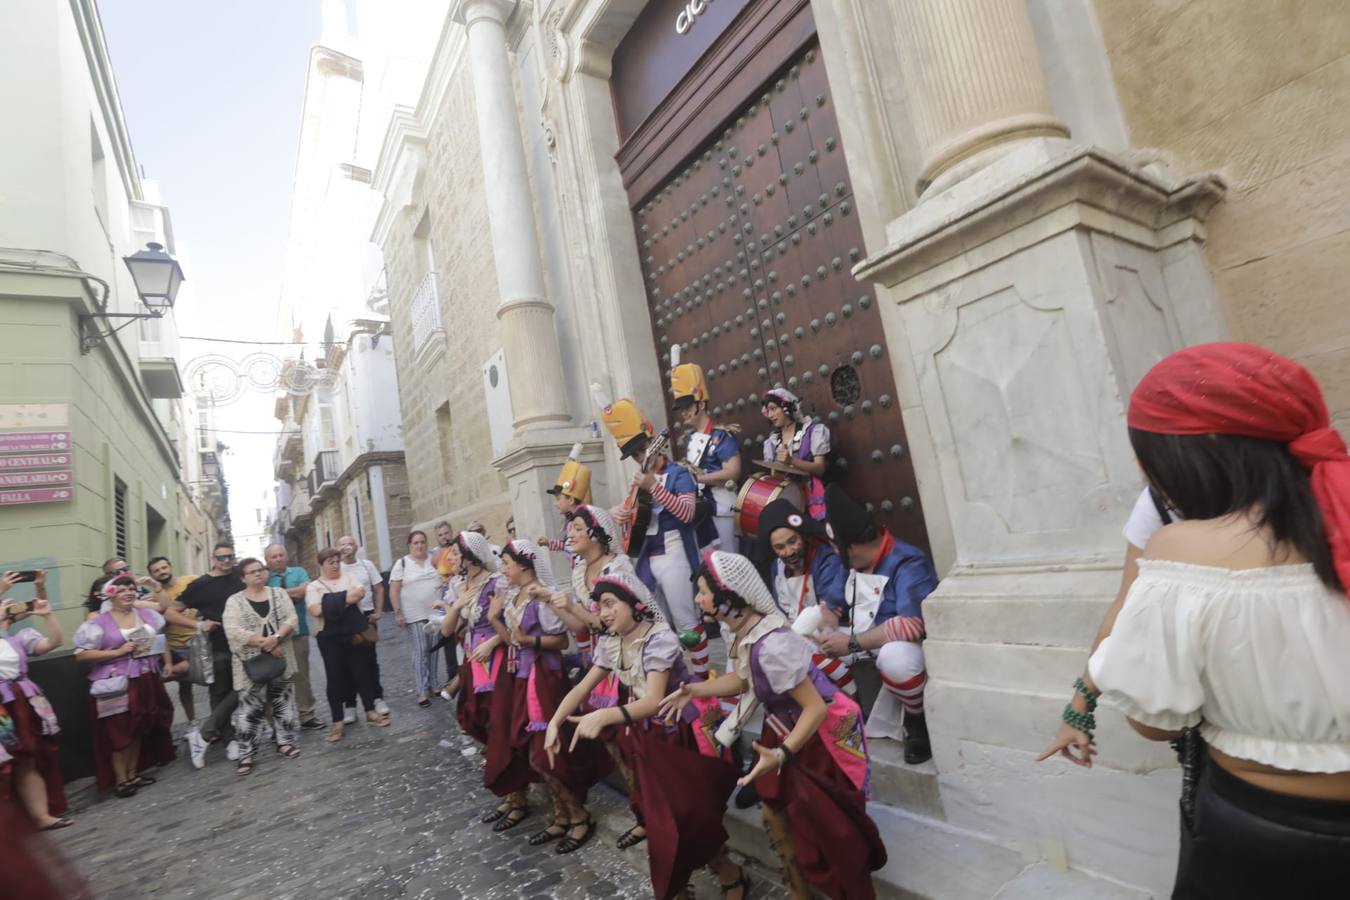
(782, 513)
(848, 520)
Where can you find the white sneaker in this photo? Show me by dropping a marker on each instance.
(196, 747)
(381, 707)
(232, 751)
(349, 715)
(446, 695)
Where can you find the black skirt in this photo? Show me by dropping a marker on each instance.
(1248, 842)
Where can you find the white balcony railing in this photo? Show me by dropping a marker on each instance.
(426, 313)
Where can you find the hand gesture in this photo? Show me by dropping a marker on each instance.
(675, 702)
(40, 583)
(1067, 739)
(542, 541)
(589, 726)
(278, 651)
(552, 745)
(149, 583)
(208, 625)
(623, 515)
(126, 649)
(560, 601)
(782, 454)
(7, 581)
(41, 607)
(399, 617)
(645, 481)
(376, 615)
(268, 644)
(768, 761)
(483, 652)
(834, 644)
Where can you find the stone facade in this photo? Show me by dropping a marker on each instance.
(1192, 88)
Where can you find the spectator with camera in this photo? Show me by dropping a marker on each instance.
(28, 727)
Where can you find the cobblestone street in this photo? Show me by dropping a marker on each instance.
(385, 813)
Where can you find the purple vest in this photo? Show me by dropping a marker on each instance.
(22, 682)
(526, 654)
(483, 630)
(111, 639)
(782, 705)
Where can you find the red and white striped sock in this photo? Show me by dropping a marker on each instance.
(698, 654)
(909, 692)
(584, 642)
(837, 671)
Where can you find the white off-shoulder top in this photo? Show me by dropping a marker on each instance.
(1259, 657)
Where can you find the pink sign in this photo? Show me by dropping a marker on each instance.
(41, 495)
(30, 441)
(34, 461)
(34, 479)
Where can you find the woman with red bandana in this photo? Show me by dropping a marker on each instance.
(1235, 636)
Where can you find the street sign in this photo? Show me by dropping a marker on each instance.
(36, 479)
(32, 441)
(34, 461)
(42, 495)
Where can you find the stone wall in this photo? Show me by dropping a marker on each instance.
(447, 445)
(1260, 97)
(398, 506)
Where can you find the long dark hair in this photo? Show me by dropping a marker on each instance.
(598, 534)
(1207, 476)
(94, 601)
(721, 596)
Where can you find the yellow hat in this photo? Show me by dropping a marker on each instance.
(687, 383)
(625, 423)
(575, 478)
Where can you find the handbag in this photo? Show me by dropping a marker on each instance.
(201, 670)
(264, 667)
(367, 636)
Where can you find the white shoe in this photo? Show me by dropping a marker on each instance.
(232, 751)
(349, 715)
(446, 695)
(196, 747)
(381, 707)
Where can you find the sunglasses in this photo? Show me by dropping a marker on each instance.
(122, 571)
(230, 558)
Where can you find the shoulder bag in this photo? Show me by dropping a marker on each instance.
(264, 667)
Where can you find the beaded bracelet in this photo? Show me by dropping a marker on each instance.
(1083, 721)
(1088, 693)
(788, 755)
(627, 716)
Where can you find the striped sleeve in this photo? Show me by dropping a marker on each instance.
(681, 506)
(904, 628)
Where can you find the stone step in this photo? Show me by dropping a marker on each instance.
(898, 784)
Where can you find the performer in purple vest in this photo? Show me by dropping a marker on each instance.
(132, 712)
(800, 442)
(812, 769)
(30, 771)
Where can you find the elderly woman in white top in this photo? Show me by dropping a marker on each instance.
(258, 623)
(1235, 637)
(414, 585)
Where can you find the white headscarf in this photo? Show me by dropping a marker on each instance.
(605, 522)
(479, 547)
(630, 583)
(538, 557)
(735, 573)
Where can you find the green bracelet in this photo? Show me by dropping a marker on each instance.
(1083, 721)
(1088, 693)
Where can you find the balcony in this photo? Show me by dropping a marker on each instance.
(325, 470)
(425, 310)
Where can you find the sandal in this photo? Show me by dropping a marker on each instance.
(629, 839)
(244, 766)
(570, 844)
(424, 702)
(494, 815)
(336, 734)
(548, 834)
(743, 883)
(143, 781)
(126, 789)
(514, 816)
(379, 721)
(62, 822)
(290, 751)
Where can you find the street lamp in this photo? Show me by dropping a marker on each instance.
(157, 276)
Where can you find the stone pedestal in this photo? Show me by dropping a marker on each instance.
(531, 465)
(1034, 294)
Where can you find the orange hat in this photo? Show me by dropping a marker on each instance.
(625, 423)
(575, 478)
(687, 383)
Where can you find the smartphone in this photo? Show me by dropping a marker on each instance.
(26, 576)
(18, 607)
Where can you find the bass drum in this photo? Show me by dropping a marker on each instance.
(757, 493)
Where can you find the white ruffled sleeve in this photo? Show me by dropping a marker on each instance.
(88, 636)
(785, 659)
(660, 650)
(1149, 667)
(603, 658)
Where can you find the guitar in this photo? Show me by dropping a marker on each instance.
(639, 501)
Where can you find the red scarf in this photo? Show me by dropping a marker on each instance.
(1243, 389)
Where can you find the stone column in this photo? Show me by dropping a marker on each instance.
(538, 394)
(975, 83)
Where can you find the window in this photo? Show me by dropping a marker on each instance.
(120, 519)
(204, 435)
(327, 431)
(150, 329)
(425, 307)
(100, 177)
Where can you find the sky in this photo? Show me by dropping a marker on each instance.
(212, 94)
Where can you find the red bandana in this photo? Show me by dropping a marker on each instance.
(1243, 389)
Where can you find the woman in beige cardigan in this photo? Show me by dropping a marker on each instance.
(260, 620)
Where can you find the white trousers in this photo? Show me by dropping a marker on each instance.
(674, 588)
(897, 662)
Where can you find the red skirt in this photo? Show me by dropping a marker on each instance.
(578, 770)
(474, 707)
(149, 718)
(680, 796)
(837, 843)
(41, 750)
(508, 748)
